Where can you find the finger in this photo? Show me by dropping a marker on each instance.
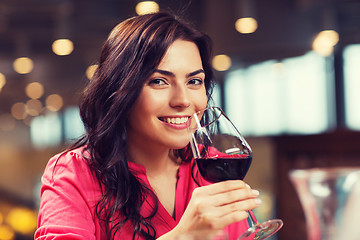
(241, 206)
(222, 216)
(234, 196)
(224, 210)
(230, 218)
(226, 186)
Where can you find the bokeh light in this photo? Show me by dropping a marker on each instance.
(62, 47)
(33, 107)
(2, 81)
(6, 233)
(325, 41)
(23, 65)
(18, 111)
(54, 102)
(221, 62)
(246, 25)
(22, 220)
(146, 7)
(34, 90)
(90, 71)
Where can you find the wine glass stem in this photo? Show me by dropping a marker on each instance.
(251, 219)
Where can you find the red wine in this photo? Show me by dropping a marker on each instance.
(222, 169)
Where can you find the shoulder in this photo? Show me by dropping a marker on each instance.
(68, 160)
(71, 166)
(69, 194)
(68, 177)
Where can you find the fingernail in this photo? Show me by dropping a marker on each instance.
(258, 201)
(255, 192)
(247, 185)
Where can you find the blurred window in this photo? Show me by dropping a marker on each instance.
(45, 131)
(54, 128)
(273, 97)
(73, 125)
(216, 99)
(352, 85)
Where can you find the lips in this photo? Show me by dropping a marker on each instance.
(174, 120)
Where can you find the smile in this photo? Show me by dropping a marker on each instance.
(178, 120)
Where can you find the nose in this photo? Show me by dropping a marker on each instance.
(180, 97)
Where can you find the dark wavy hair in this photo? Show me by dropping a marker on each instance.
(129, 57)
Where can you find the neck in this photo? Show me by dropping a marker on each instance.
(156, 161)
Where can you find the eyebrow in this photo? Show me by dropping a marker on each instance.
(171, 74)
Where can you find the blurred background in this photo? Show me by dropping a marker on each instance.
(287, 74)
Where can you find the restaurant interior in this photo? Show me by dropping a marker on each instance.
(287, 73)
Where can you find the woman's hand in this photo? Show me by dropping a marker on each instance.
(215, 206)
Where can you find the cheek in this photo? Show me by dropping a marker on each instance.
(205, 100)
(153, 102)
(201, 100)
(147, 107)
(142, 106)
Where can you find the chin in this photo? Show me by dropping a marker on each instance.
(177, 147)
(179, 144)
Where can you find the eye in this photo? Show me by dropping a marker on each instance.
(157, 82)
(195, 81)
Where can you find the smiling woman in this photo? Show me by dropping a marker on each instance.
(172, 93)
(132, 176)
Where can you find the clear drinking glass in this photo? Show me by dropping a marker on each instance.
(221, 154)
(330, 199)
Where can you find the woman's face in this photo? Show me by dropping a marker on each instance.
(174, 92)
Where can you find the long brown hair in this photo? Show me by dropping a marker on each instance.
(129, 56)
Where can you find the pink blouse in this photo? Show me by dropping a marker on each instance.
(70, 192)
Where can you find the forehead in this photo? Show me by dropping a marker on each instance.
(181, 53)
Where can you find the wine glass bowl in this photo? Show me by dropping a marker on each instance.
(222, 153)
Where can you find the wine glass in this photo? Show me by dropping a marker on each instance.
(221, 153)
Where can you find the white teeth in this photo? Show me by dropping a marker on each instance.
(176, 120)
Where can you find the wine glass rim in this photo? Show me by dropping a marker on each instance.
(203, 110)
